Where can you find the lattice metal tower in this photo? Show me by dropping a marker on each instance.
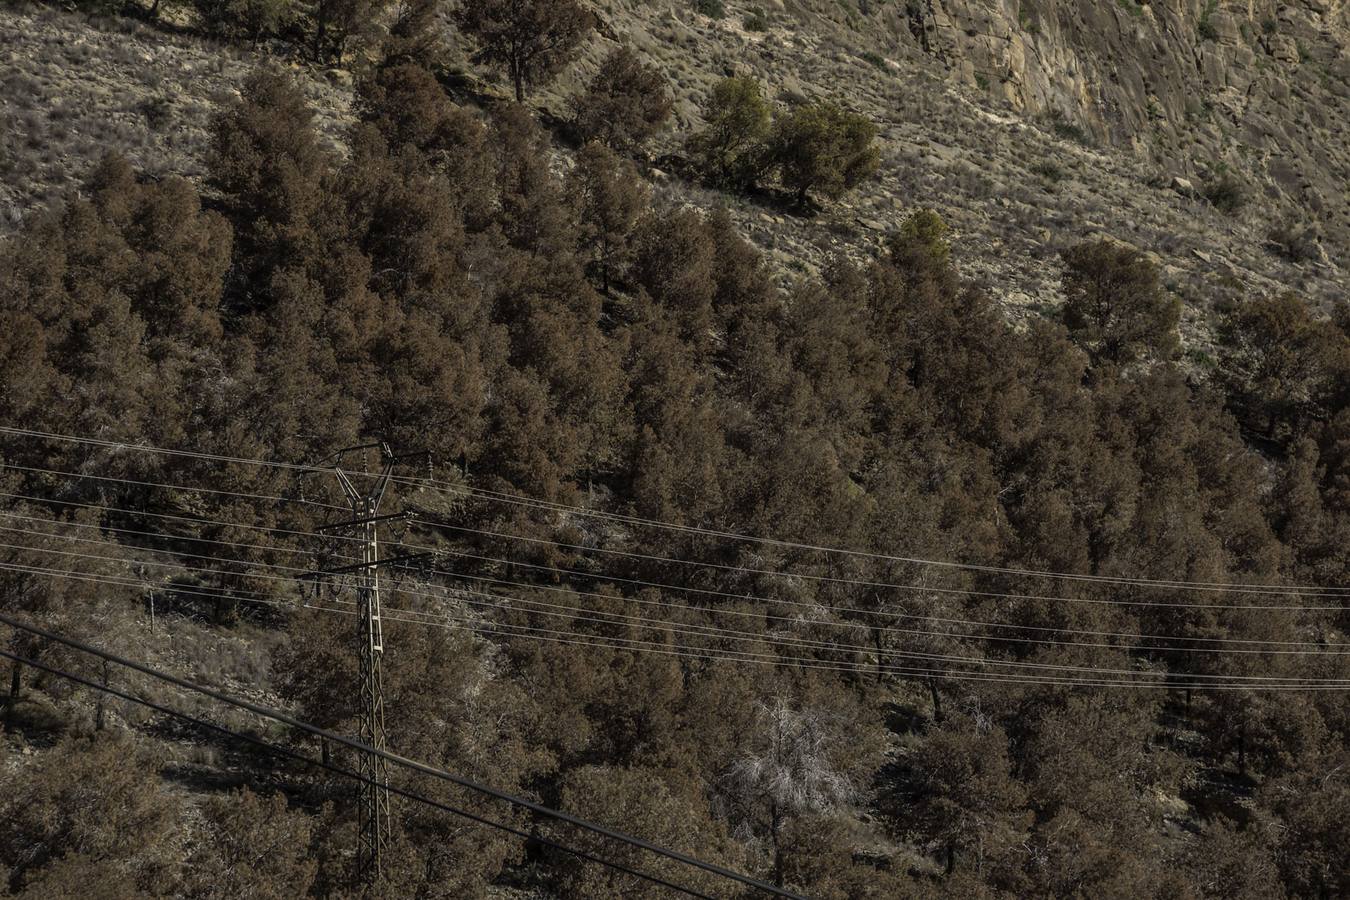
(373, 812)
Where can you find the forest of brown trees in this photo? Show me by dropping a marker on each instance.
(565, 338)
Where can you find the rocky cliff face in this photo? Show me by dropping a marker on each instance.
(1028, 125)
(1031, 125)
(1258, 86)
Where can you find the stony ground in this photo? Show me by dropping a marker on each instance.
(73, 88)
(1015, 187)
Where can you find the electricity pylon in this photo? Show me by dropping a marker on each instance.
(373, 808)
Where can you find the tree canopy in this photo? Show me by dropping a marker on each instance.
(929, 713)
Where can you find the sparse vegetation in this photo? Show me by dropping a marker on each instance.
(1296, 243)
(1068, 130)
(1225, 192)
(756, 19)
(1132, 7)
(713, 9)
(157, 111)
(1050, 171)
(1206, 28)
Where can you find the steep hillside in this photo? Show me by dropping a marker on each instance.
(1033, 124)
(1028, 126)
(74, 87)
(378, 398)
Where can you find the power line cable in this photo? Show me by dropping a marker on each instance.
(332, 767)
(168, 486)
(270, 548)
(402, 761)
(749, 570)
(498, 496)
(1322, 647)
(601, 576)
(446, 620)
(1095, 601)
(1220, 587)
(191, 520)
(854, 582)
(684, 628)
(1174, 682)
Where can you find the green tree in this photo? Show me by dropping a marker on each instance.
(1115, 307)
(181, 254)
(925, 232)
(251, 846)
(822, 148)
(679, 452)
(335, 23)
(249, 20)
(531, 39)
(415, 36)
(730, 149)
(624, 104)
(608, 198)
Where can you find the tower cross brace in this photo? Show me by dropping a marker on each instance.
(373, 808)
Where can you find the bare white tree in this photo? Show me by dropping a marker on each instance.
(789, 775)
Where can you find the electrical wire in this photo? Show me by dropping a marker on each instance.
(498, 496)
(1221, 587)
(270, 548)
(749, 570)
(402, 761)
(167, 485)
(1196, 681)
(600, 576)
(716, 633)
(1095, 601)
(891, 629)
(853, 582)
(286, 752)
(684, 628)
(191, 520)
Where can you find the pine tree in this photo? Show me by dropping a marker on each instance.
(624, 104)
(1115, 307)
(730, 149)
(266, 162)
(608, 198)
(532, 40)
(822, 148)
